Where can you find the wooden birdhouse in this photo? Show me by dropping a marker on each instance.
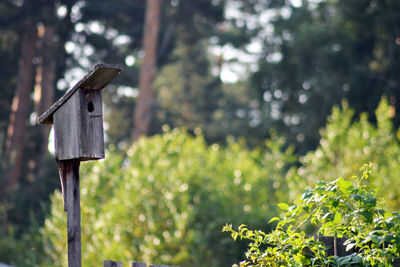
(78, 116)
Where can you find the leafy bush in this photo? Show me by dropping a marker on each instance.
(347, 143)
(166, 199)
(337, 208)
(12, 246)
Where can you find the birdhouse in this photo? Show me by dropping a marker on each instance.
(78, 116)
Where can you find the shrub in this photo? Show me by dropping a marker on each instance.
(347, 143)
(166, 199)
(336, 208)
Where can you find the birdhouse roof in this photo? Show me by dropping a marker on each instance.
(96, 79)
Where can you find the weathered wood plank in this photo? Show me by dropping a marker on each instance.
(91, 141)
(96, 79)
(108, 263)
(328, 241)
(341, 249)
(138, 264)
(66, 130)
(70, 168)
(78, 132)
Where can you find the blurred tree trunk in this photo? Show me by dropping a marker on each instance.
(48, 80)
(142, 115)
(46, 77)
(45, 82)
(21, 103)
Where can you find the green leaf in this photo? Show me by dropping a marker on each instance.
(306, 208)
(337, 218)
(356, 197)
(366, 214)
(344, 185)
(283, 206)
(388, 238)
(227, 228)
(274, 219)
(328, 216)
(234, 235)
(343, 260)
(350, 246)
(308, 193)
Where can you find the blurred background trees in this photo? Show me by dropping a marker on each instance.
(244, 71)
(317, 53)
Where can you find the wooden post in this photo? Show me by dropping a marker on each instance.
(78, 126)
(69, 176)
(109, 263)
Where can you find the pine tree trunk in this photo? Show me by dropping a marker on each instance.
(45, 81)
(21, 104)
(142, 116)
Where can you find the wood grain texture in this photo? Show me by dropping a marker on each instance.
(96, 79)
(66, 130)
(91, 141)
(70, 171)
(109, 263)
(78, 129)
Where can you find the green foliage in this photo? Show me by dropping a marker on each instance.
(166, 199)
(187, 92)
(319, 52)
(12, 246)
(347, 143)
(339, 208)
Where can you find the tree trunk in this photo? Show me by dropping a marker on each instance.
(45, 80)
(142, 116)
(21, 104)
